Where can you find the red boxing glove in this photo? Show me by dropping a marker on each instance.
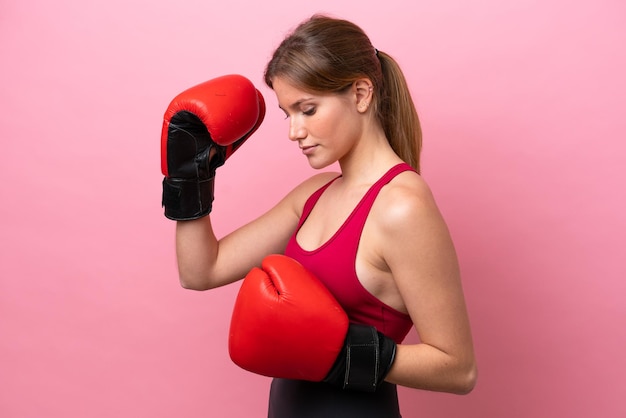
(285, 323)
(202, 127)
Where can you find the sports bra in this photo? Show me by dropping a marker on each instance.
(334, 263)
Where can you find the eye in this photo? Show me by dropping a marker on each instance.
(309, 111)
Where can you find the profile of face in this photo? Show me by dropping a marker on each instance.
(326, 126)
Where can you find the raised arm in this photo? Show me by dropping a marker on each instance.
(206, 262)
(202, 127)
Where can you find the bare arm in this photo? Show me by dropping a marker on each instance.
(206, 262)
(421, 256)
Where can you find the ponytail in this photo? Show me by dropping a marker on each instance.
(397, 113)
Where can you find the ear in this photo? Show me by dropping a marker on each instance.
(364, 91)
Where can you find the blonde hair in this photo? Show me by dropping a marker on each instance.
(325, 54)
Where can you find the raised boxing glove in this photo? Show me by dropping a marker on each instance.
(202, 127)
(286, 324)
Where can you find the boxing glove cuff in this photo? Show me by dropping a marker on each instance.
(187, 199)
(365, 359)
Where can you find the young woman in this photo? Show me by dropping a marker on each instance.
(393, 262)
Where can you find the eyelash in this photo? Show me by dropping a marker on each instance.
(309, 112)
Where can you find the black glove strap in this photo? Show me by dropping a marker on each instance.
(187, 199)
(364, 361)
(362, 358)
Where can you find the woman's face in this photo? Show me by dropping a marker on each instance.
(326, 126)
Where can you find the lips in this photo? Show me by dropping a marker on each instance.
(307, 149)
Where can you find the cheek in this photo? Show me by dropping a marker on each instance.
(324, 127)
(345, 130)
(334, 124)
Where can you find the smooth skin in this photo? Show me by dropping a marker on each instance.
(406, 257)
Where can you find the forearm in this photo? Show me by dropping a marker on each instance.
(196, 253)
(422, 366)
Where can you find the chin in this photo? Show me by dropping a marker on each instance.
(318, 165)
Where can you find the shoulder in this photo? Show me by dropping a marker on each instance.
(312, 184)
(299, 194)
(406, 199)
(414, 239)
(407, 217)
(318, 180)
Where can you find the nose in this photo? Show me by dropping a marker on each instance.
(296, 129)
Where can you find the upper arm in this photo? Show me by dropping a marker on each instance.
(419, 252)
(245, 247)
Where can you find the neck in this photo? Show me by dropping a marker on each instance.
(368, 160)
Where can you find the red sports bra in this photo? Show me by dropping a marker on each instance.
(334, 264)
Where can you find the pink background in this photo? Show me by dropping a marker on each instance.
(523, 109)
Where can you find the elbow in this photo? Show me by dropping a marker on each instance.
(193, 286)
(189, 283)
(466, 380)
